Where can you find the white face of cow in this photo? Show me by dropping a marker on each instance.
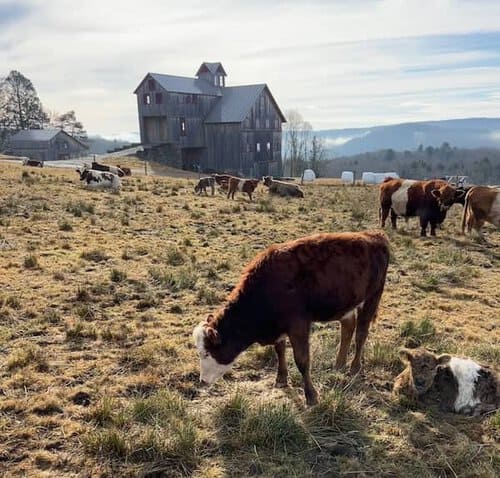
(210, 369)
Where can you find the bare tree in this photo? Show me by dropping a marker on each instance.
(297, 138)
(317, 153)
(69, 123)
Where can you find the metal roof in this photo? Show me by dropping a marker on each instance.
(35, 135)
(182, 84)
(213, 68)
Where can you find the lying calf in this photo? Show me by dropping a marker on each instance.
(458, 385)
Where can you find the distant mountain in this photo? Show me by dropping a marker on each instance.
(462, 133)
(99, 145)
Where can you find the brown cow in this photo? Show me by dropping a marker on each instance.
(407, 198)
(457, 384)
(281, 188)
(323, 277)
(482, 204)
(244, 185)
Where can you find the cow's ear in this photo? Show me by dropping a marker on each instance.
(212, 335)
(443, 359)
(405, 355)
(436, 193)
(210, 317)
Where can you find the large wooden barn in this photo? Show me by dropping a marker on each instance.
(202, 124)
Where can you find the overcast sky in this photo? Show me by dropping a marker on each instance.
(342, 63)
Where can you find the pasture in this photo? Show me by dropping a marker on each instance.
(99, 376)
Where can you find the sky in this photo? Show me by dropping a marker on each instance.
(340, 63)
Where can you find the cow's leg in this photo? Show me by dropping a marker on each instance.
(383, 214)
(433, 227)
(299, 338)
(250, 196)
(282, 377)
(365, 316)
(347, 327)
(213, 189)
(394, 219)
(423, 226)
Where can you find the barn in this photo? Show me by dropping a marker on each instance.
(46, 145)
(200, 124)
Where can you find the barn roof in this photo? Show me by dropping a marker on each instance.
(212, 67)
(42, 135)
(35, 134)
(183, 84)
(236, 103)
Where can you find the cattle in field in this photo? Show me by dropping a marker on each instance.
(95, 166)
(243, 185)
(99, 179)
(203, 184)
(33, 162)
(458, 385)
(482, 204)
(323, 277)
(222, 180)
(280, 188)
(408, 198)
(126, 171)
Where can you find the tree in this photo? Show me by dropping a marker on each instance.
(68, 122)
(297, 133)
(20, 107)
(317, 153)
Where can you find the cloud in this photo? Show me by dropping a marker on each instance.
(340, 63)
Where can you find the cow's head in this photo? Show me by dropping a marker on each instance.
(267, 180)
(447, 195)
(83, 174)
(423, 366)
(208, 342)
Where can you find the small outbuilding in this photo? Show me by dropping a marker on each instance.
(46, 145)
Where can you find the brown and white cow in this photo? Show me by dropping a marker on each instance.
(281, 188)
(322, 277)
(105, 167)
(244, 185)
(408, 198)
(458, 384)
(126, 171)
(482, 204)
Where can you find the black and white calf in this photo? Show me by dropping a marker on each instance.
(100, 179)
(203, 184)
(459, 385)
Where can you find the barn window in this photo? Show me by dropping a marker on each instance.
(188, 99)
(183, 126)
(268, 146)
(276, 126)
(152, 85)
(257, 147)
(194, 99)
(147, 99)
(267, 123)
(257, 123)
(158, 98)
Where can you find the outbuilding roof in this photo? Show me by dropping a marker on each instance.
(42, 135)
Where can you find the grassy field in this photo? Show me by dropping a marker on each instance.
(99, 377)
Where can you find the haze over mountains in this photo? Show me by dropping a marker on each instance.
(462, 133)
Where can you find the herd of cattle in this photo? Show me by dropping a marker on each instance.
(336, 276)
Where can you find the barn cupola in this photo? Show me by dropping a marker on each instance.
(213, 73)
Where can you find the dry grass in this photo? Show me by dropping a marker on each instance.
(100, 293)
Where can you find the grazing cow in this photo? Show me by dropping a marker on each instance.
(104, 167)
(203, 184)
(33, 162)
(244, 185)
(457, 384)
(126, 171)
(100, 179)
(407, 198)
(281, 188)
(482, 204)
(322, 277)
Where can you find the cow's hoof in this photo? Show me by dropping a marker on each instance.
(281, 384)
(355, 369)
(311, 401)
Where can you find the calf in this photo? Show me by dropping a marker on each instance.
(33, 162)
(203, 184)
(100, 179)
(407, 198)
(323, 277)
(104, 167)
(126, 171)
(482, 204)
(244, 185)
(458, 385)
(281, 188)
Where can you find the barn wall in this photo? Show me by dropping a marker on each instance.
(223, 153)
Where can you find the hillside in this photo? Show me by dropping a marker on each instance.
(99, 376)
(462, 133)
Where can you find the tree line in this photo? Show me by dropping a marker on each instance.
(21, 108)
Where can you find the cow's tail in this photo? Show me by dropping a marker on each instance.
(466, 211)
